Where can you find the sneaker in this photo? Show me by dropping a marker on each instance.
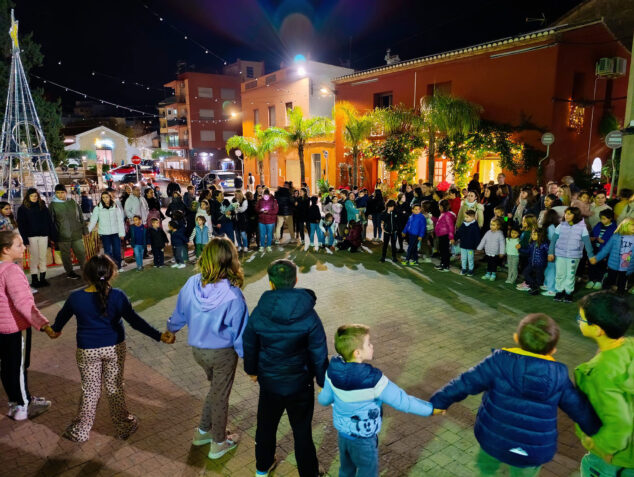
(121, 270)
(269, 249)
(598, 286)
(73, 276)
(589, 285)
(522, 287)
(261, 249)
(316, 248)
(218, 449)
(492, 277)
(548, 293)
(543, 287)
(37, 406)
(567, 298)
(534, 292)
(404, 262)
(18, 413)
(139, 269)
(444, 269)
(174, 266)
(411, 263)
(201, 438)
(463, 272)
(470, 273)
(559, 296)
(439, 268)
(510, 282)
(426, 260)
(181, 265)
(486, 276)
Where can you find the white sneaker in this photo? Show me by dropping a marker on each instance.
(218, 449)
(37, 406)
(181, 265)
(261, 249)
(201, 438)
(269, 249)
(121, 270)
(174, 266)
(19, 413)
(427, 260)
(316, 248)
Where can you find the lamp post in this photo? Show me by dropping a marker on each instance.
(84, 161)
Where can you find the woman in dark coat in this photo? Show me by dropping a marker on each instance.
(36, 227)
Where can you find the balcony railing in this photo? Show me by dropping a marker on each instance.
(177, 122)
(172, 100)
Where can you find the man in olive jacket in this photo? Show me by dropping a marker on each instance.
(285, 351)
(70, 227)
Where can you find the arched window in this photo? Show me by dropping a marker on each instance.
(596, 168)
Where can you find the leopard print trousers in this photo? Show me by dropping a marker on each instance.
(97, 365)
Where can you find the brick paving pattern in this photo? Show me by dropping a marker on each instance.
(426, 328)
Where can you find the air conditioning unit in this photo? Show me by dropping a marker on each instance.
(605, 67)
(620, 66)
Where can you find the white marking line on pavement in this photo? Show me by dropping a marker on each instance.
(366, 249)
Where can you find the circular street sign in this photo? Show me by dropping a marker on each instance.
(238, 152)
(548, 139)
(136, 160)
(614, 139)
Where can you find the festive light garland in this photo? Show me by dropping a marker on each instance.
(87, 96)
(184, 35)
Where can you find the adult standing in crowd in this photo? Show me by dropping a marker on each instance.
(267, 213)
(474, 184)
(70, 228)
(154, 207)
(504, 193)
(36, 227)
(471, 203)
(18, 314)
(211, 304)
(173, 187)
(285, 212)
(108, 216)
(136, 205)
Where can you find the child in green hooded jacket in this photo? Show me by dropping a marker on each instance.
(608, 381)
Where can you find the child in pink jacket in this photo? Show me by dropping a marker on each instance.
(17, 314)
(445, 228)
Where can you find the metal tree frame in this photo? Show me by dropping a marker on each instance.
(24, 157)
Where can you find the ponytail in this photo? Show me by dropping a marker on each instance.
(99, 272)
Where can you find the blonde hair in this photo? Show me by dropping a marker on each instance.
(626, 227)
(565, 195)
(349, 338)
(219, 260)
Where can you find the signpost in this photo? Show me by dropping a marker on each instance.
(547, 140)
(136, 160)
(614, 140)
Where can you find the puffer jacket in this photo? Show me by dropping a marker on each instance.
(416, 225)
(284, 342)
(267, 210)
(110, 220)
(612, 250)
(538, 254)
(517, 420)
(34, 221)
(446, 225)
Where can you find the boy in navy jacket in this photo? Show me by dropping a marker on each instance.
(600, 235)
(414, 231)
(469, 235)
(517, 420)
(356, 391)
(179, 243)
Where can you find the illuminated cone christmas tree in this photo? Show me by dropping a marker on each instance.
(24, 158)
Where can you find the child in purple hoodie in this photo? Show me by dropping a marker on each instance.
(212, 305)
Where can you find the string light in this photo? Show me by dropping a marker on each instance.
(102, 101)
(184, 35)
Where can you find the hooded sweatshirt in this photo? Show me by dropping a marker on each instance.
(358, 391)
(608, 381)
(216, 314)
(285, 343)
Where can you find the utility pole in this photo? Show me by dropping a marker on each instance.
(626, 169)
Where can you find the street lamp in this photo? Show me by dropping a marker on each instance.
(84, 160)
(326, 92)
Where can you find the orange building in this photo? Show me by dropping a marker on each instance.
(266, 100)
(563, 79)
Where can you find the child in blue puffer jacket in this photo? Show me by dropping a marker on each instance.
(523, 387)
(414, 230)
(356, 391)
(619, 252)
(537, 261)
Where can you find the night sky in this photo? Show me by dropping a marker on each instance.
(126, 40)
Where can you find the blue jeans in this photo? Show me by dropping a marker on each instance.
(241, 238)
(138, 254)
(331, 236)
(376, 226)
(112, 248)
(359, 457)
(466, 256)
(266, 234)
(180, 253)
(315, 230)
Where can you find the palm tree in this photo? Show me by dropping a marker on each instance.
(357, 128)
(300, 130)
(263, 142)
(447, 115)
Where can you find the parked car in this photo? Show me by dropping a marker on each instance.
(229, 180)
(119, 172)
(149, 166)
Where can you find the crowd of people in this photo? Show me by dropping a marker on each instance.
(551, 238)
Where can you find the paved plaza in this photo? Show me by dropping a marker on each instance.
(426, 328)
